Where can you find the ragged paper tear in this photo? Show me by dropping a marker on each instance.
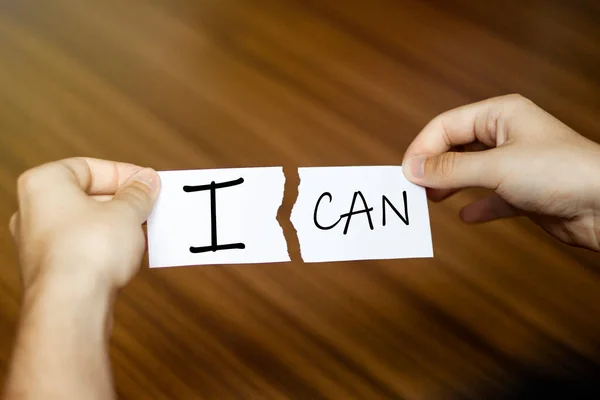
(217, 216)
(360, 213)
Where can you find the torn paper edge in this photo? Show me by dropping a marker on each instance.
(294, 213)
(290, 193)
(277, 210)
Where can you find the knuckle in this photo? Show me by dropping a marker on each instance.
(36, 178)
(29, 180)
(518, 99)
(446, 164)
(136, 196)
(514, 97)
(138, 192)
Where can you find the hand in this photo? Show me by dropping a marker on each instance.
(81, 219)
(537, 166)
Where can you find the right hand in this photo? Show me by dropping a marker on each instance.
(536, 165)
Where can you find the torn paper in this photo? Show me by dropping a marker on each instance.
(360, 213)
(217, 216)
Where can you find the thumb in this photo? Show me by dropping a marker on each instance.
(138, 194)
(454, 170)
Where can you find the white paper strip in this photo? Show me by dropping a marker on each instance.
(332, 223)
(217, 216)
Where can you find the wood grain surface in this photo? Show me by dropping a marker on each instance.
(502, 310)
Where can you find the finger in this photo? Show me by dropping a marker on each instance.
(137, 196)
(485, 121)
(93, 176)
(456, 170)
(102, 197)
(99, 177)
(436, 195)
(12, 225)
(488, 209)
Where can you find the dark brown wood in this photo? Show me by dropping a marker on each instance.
(199, 84)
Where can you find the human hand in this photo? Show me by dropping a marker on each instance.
(80, 220)
(536, 165)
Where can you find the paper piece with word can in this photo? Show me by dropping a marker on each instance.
(217, 216)
(360, 213)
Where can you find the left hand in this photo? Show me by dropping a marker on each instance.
(80, 220)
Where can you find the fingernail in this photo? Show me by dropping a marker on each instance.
(147, 176)
(416, 166)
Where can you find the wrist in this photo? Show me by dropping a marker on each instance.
(78, 300)
(52, 276)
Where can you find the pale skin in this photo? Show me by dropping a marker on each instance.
(80, 239)
(536, 165)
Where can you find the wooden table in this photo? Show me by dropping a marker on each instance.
(185, 84)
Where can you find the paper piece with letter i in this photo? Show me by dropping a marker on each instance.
(360, 213)
(217, 216)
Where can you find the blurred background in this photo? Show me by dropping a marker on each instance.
(502, 311)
